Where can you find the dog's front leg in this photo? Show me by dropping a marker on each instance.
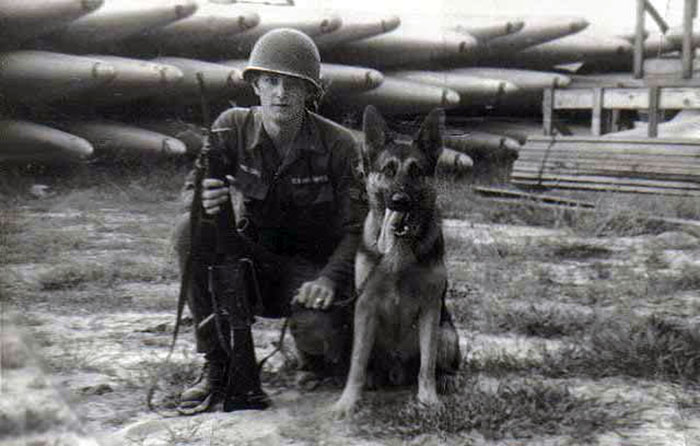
(365, 326)
(428, 335)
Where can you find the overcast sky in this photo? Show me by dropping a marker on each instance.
(605, 12)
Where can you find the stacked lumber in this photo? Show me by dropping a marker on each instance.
(639, 165)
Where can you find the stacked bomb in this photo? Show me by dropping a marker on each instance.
(95, 78)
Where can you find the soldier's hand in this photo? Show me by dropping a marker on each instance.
(214, 194)
(316, 294)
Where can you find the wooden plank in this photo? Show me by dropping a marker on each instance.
(596, 120)
(603, 155)
(603, 179)
(627, 98)
(676, 143)
(638, 65)
(650, 79)
(548, 111)
(611, 169)
(614, 161)
(660, 22)
(653, 126)
(573, 185)
(619, 172)
(621, 154)
(687, 51)
(615, 122)
(510, 193)
(631, 169)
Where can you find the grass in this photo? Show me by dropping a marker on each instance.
(168, 380)
(614, 214)
(32, 420)
(652, 348)
(105, 274)
(510, 409)
(496, 288)
(542, 321)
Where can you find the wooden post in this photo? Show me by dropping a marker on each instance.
(615, 120)
(548, 111)
(597, 112)
(663, 26)
(687, 52)
(639, 41)
(653, 128)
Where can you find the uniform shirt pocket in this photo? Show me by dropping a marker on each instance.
(311, 190)
(251, 183)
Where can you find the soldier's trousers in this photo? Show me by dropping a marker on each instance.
(323, 338)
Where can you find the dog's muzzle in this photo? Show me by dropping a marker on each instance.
(397, 214)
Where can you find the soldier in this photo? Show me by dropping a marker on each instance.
(297, 174)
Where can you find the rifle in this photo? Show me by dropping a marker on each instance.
(231, 284)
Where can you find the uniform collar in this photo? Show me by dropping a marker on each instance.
(308, 139)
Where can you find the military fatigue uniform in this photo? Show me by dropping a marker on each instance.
(305, 215)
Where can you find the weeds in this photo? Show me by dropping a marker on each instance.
(117, 270)
(581, 251)
(32, 420)
(542, 321)
(169, 379)
(614, 214)
(515, 409)
(651, 347)
(688, 279)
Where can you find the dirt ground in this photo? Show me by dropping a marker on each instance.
(88, 291)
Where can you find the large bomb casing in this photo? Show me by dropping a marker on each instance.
(115, 22)
(357, 26)
(401, 96)
(192, 135)
(405, 47)
(134, 79)
(530, 85)
(582, 47)
(527, 81)
(238, 43)
(220, 81)
(22, 20)
(210, 26)
(473, 90)
(116, 140)
(41, 76)
(536, 31)
(28, 141)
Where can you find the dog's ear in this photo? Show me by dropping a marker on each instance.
(429, 137)
(375, 130)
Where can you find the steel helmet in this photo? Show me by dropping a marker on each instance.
(286, 51)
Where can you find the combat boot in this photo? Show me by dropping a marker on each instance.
(209, 388)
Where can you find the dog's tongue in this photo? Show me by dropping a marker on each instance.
(387, 235)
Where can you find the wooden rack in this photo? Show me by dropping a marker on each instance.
(606, 102)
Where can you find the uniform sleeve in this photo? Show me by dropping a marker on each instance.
(222, 151)
(352, 208)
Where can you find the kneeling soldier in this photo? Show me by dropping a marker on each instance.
(294, 173)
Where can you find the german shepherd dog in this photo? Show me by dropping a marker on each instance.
(401, 326)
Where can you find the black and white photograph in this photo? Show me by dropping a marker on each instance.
(349, 222)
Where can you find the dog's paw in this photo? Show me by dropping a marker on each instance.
(344, 408)
(429, 399)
